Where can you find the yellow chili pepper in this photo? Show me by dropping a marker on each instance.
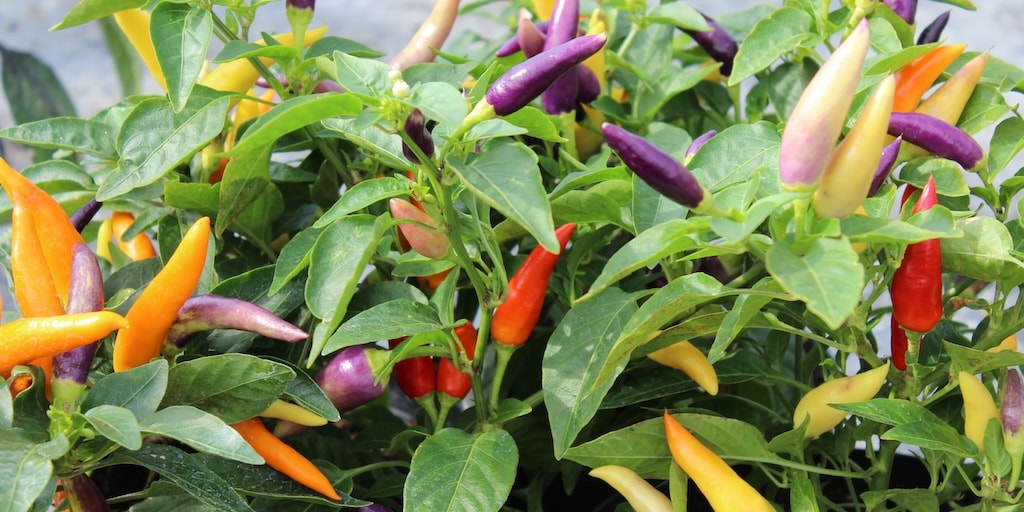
(688, 359)
(28, 339)
(134, 23)
(979, 408)
(239, 75)
(854, 388)
(297, 414)
(1008, 343)
(640, 494)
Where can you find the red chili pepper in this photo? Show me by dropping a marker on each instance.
(515, 318)
(451, 381)
(916, 286)
(898, 344)
(415, 376)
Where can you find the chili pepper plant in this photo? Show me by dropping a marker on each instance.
(805, 213)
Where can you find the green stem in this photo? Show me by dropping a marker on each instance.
(503, 353)
(427, 403)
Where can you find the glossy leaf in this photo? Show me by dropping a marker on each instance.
(179, 33)
(362, 195)
(293, 114)
(139, 390)
(392, 319)
(32, 88)
(70, 133)
(117, 424)
(233, 387)
(26, 468)
(200, 430)
(785, 30)
(453, 470)
(828, 277)
(88, 10)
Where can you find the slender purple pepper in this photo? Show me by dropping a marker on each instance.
(905, 9)
(560, 96)
(697, 143)
(889, 153)
(514, 44)
(588, 86)
(81, 218)
(937, 137)
(85, 295)
(529, 36)
(83, 494)
(718, 44)
(348, 381)
(1011, 415)
(657, 168)
(416, 128)
(207, 312)
(518, 86)
(933, 31)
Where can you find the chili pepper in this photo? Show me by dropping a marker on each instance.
(34, 289)
(817, 119)
(560, 96)
(518, 86)
(299, 14)
(71, 368)
(718, 44)
(916, 286)
(281, 410)
(685, 357)
(1011, 415)
(27, 339)
(933, 31)
(905, 9)
(885, 163)
(347, 380)
(155, 310)
(657, 168)
(82, 494)
(429, 37)
(697, 143)
(949, 99)
(514, 44)
(515, 318)
(451, 382)
(588, 88)
(416, 127)
(898, 344)
(239, 75)
(724, 489)
(639, 493)
(846, 181)
(282, 457)
(979, 408)
(916, 77)
(134, 23)
(207, 312)
(84, 215)
(416, 376)
(139, 247)
(419, 229)
(937, 137)
(854, 388)
(1008, 343)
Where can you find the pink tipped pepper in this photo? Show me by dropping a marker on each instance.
(515, 44)
(85, 295)
(916, 286)
(1011, 415)
(560, 96)
(905, 9)
(818, 117)
(348, 381)
(530, 38)
(847, 179)
(718, 44)
(889, 154)
(207, 312)
(698, 143)
(82, 216)
(429, 37)
(416, 128)
(419, 229)
(937, 137)
(933, 31)
(657, 168)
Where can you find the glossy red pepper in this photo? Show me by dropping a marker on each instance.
(898, 344)
(451, 381)
(916, 286)
(415, 376)
(515, 318)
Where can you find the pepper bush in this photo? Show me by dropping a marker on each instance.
(300, 187)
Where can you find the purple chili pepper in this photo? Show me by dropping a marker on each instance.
(85, 295)
(529, 36)
(416, 128)
(659, 169)
(697, 143)
(513, 44)
(889, 153)
(560, 96)
(937, 137)
(207, 312)
(718, 44)
(518, 86)
(588, 87)
(84, 215)
(83, 494)
(1011, 415)
(933, 31)
(903, 8)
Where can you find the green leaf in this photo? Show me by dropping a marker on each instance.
(441, 102)
(202, 431)
(33, 90)
(745, 309)
(889, 411)
(392, 319)
(292, 114)
(179, 34)
(188, 473)
(139, 390)
(154, 140)
(25, 469)
(802, 497)
(88, 10)
(933, 223)
(236, 50)
(31, 405)
(233, 387)
(376, 143)
(733, 231)
(362, 195)
(653, 99)
(986, 106)
(6, 408)
(575, 354)
(294, 258)
(585, 206)
(268, 482)
(117, 424)
(70, 133)
(784, 31)
(828, 277)
(932, 436)
(973, 361)
(680, 15)
(1007, 142)
(246, 177)
(304, 391)
(453, 470)
(950, 179)
(736, 154)
(536, 122)
(918, 500)
(367, 78)
(651, 208)
(504, 174)
(983, 252)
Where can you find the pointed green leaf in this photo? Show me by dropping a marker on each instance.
(181, 36)
(139, 390)
(392, 319)
(784, 31)
(455, 471)
(362, 195)
(70, 133)
(292, 114)
(202, 431)
(88, 10)
(25, 469)
(32, 88)
(117, 424)
(233, 387)
(828, 277)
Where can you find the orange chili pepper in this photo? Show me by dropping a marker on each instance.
(156, 308)
(139, 247)
(282, 457)
(27, 339)
(916, 77)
